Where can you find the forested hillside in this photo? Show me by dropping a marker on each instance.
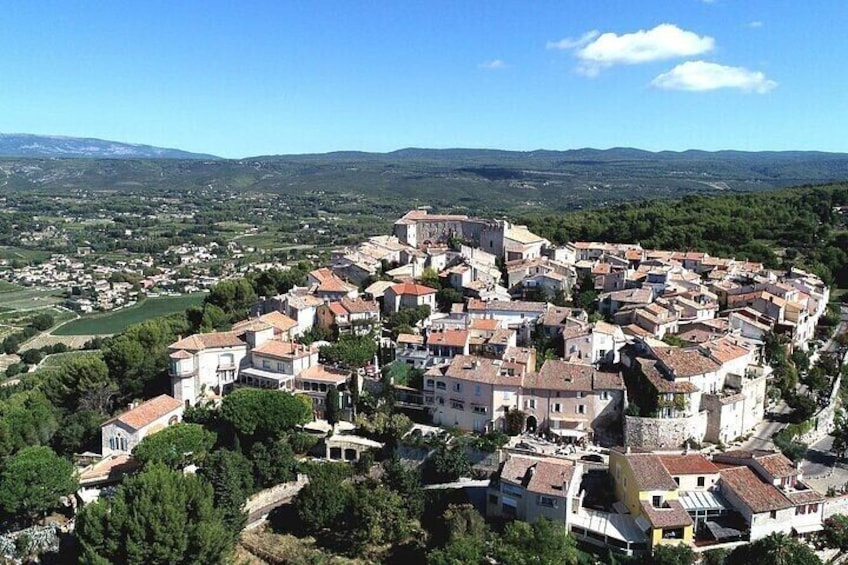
(804, 226)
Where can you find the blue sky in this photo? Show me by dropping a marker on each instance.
(245, 78)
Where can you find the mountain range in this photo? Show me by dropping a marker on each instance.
(46, 146)
(461, 179)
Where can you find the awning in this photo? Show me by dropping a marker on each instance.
(808, 529)
(568, 433)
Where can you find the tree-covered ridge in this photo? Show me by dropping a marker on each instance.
(804, 226)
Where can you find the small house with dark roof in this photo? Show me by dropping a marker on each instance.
(529, 488)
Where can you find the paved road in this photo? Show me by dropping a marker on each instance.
(819, 460)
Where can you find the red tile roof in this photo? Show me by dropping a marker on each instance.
(754, 493)
(650, 473)
(412, 289)
(692, 464)
(672, 515)
(199, 342)
(147, 412)
(282, 349)
(685, 362)
(450, 338)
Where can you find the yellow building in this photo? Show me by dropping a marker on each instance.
(650, 493)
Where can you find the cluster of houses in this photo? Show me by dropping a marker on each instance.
(673, 358)
(645, 499)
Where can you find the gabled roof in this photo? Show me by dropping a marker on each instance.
(690, 464)
(649, 472)
(277, 320)
(537, 475)
(685, 362)
(412, 289)
(359, 305)
(449, 338)
(282, 349)
(754, 493)
(324, 374)
(181, 354)
(147, 412)
(484, 370)
(476, 305)
(199, 342)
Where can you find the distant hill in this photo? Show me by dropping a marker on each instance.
(46, 146)
(465, 180)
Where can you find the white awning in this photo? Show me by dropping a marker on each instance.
(568, 433)
(808, 529)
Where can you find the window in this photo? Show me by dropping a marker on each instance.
(605, 395)
(702, 481)
(530, 403)
(677, 480)
(457, 405)
(773, 514)
(547, 501)
(656, 501)
(478, 409)
(800, 510)
(280, 367)
(440, 385)
(813, 508)
(457, 387)
(581, 408)
(266, 364)
(557, 407)
(580, 394)
(430, 383)
(478, 390)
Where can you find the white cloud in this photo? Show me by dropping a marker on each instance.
(755, 24)
(493, 65)
(569, 43)
(699, 76)
(665, 41)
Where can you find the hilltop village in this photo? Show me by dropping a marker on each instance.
(618, 391)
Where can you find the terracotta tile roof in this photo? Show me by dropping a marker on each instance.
(412, 289)
(337, 309)
(335, 285)
(649, 369)
(147, 412)
(672, 515)
(322, 274)
(725, 349)
(754, 493)
(359, 305)
(649, 471)
(449, 338)
(809, 496)
(410, 338)
(278, 320)
(561, 375)
(630, 295)
(181, 354)
(483, 370)
(482, 324)
(605, 380)
(475, 305)
(282, 349)
(685, 362)
(777, 465)
(323, 374)
(519, 354)
(199, 342)
(540, 476)
(692, 464)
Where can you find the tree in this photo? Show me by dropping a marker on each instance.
(774, 549)
(26, 418)
(83, 383)
(671, 555)
(159, 516)
(322, 502)
(77, 432)
(448, 296)
(43, 321)
(543, 542)
(263, 414)
(840, 434)
(176, 446)
(33, 481)
(351, 351)
(515, 420)
(460, 522)
(406, 483)
(231, 477)
(273, 463)
(331, 410)
(375, 516)
(446, 465)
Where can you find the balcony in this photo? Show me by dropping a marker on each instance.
(181, 373)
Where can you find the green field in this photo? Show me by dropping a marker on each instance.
(116, 322)
(59, 359)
